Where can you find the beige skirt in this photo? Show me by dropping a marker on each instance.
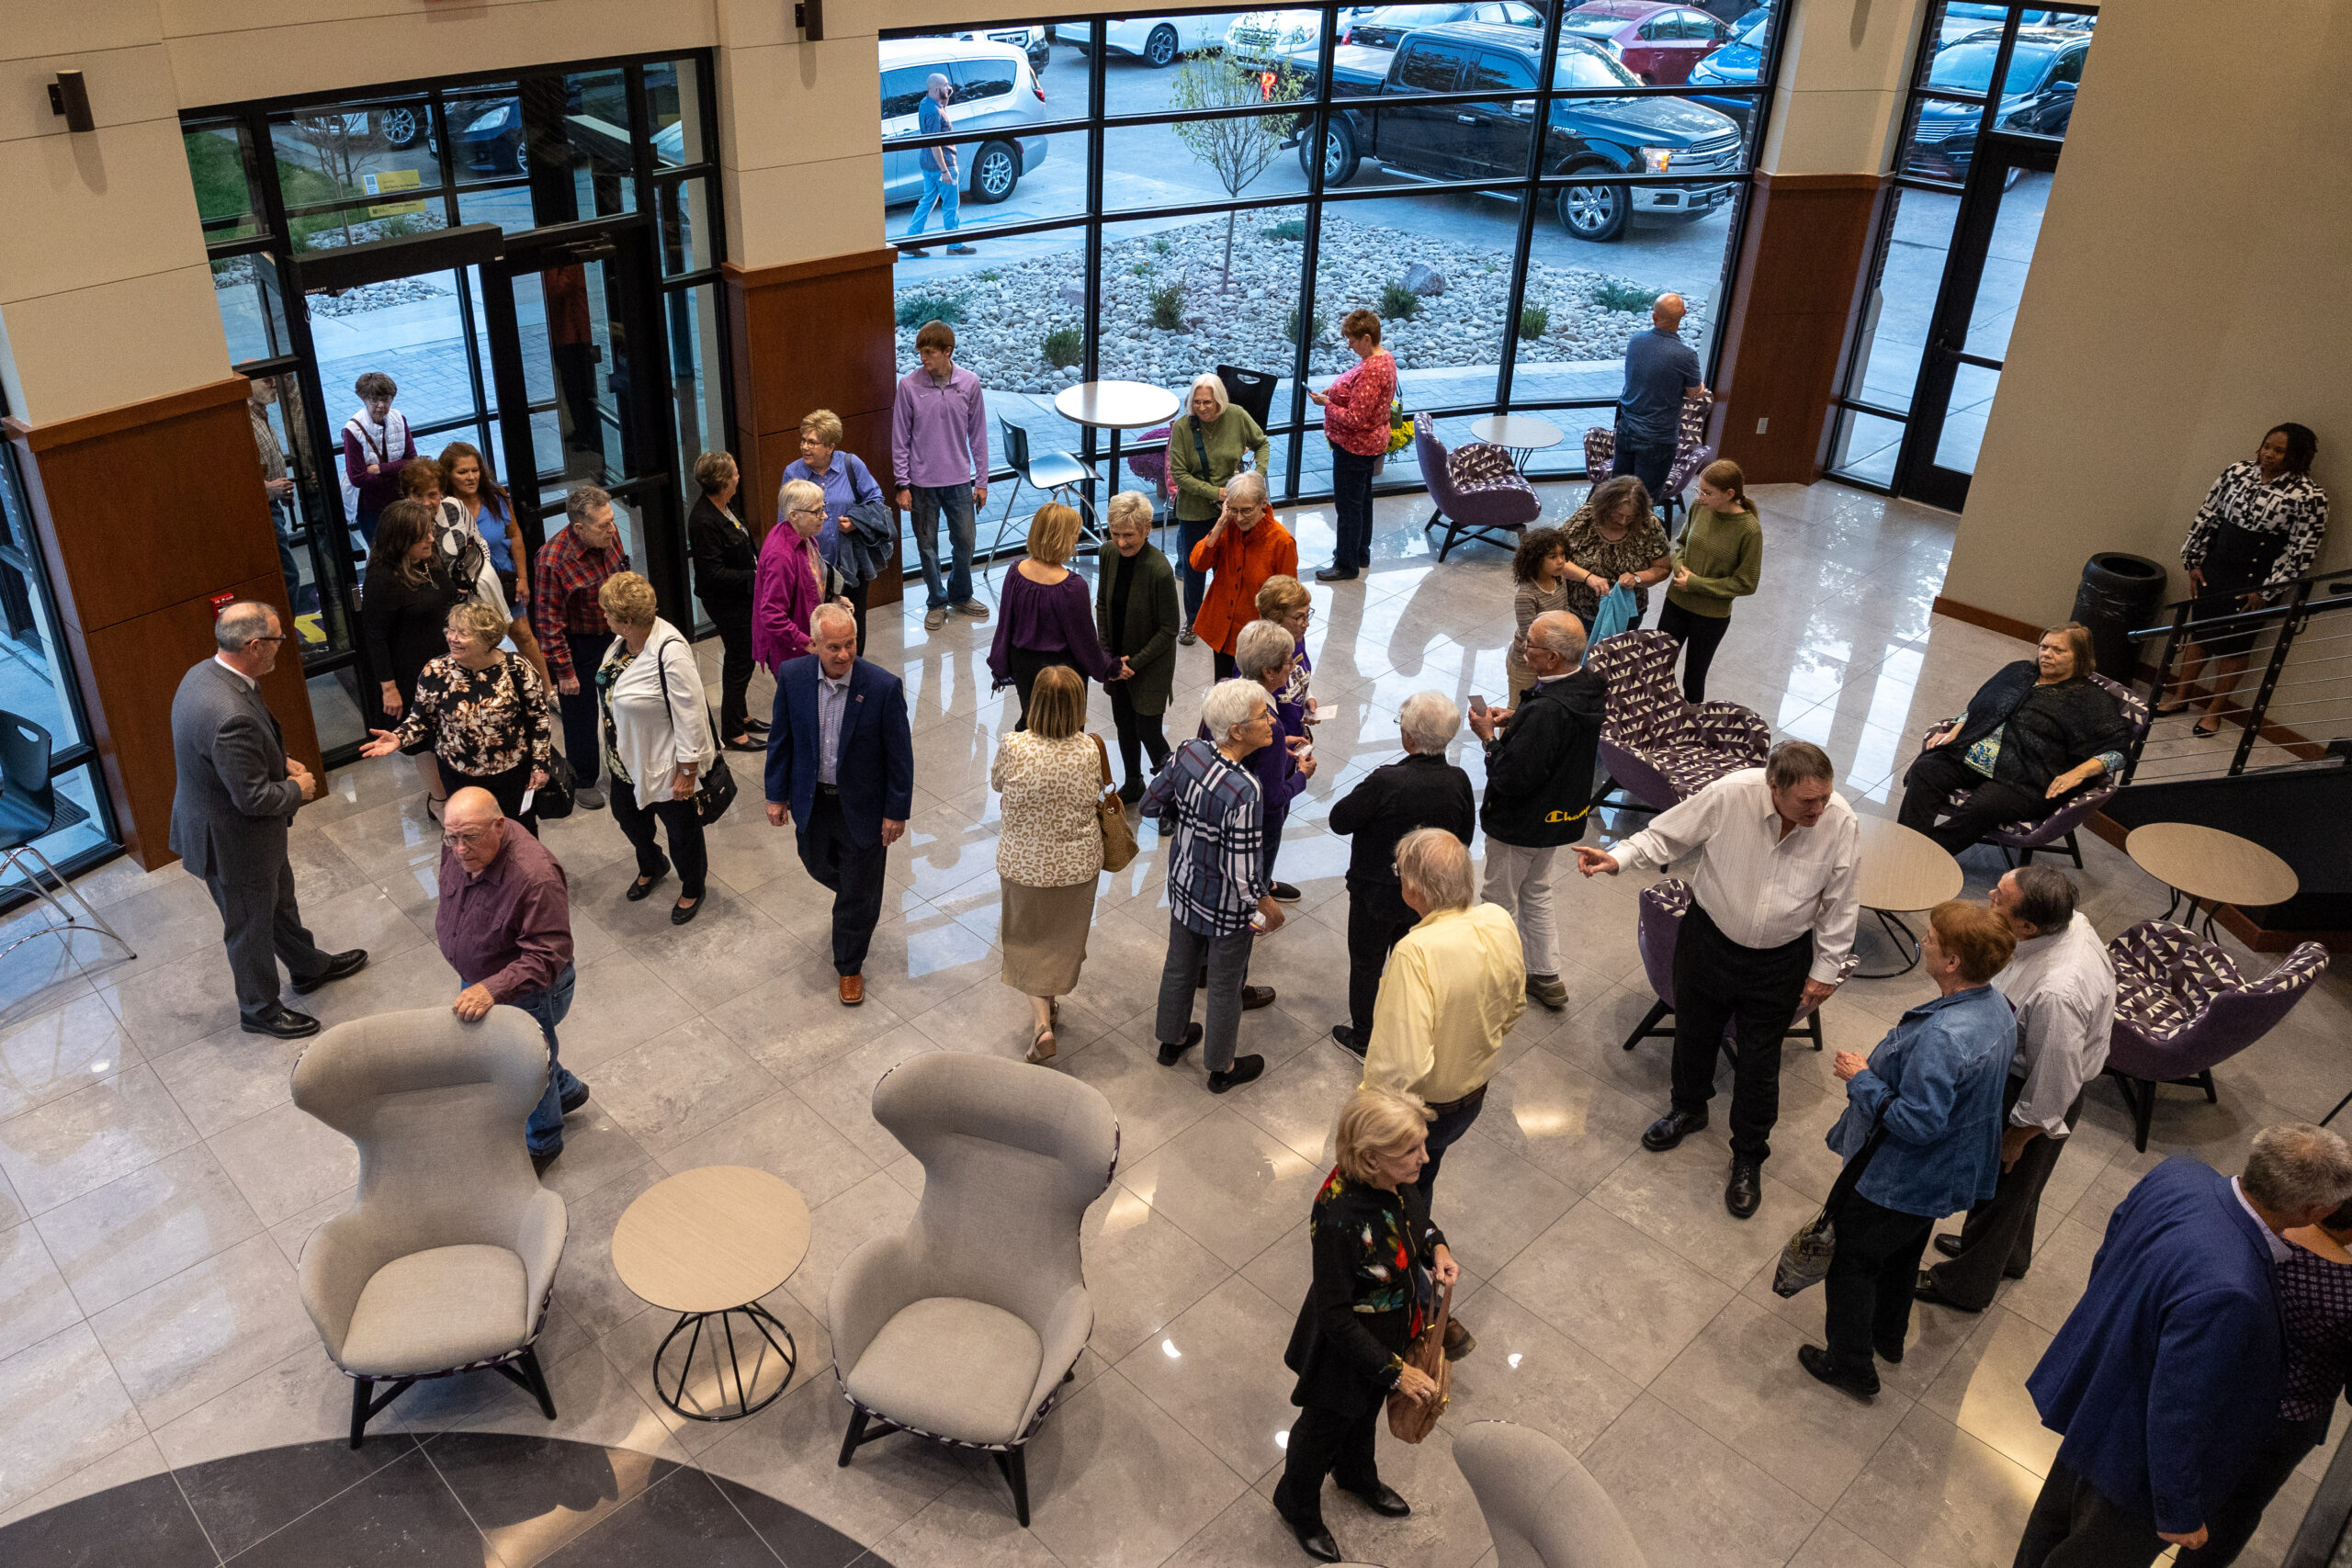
(1043, 933)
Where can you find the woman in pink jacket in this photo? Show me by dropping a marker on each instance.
(792, 578)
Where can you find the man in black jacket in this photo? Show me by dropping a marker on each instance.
(1422, 791)
(1539, 762)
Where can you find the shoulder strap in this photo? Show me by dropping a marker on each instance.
(1104, 752)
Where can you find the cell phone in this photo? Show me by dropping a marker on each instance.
(1477, 703)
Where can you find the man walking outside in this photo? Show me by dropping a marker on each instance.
(939, 455)
(2062, 984)
(2165, 1380)
(1661, 371)
(1774, 856)
(943, 172)
(1540, 760)
(504, 924)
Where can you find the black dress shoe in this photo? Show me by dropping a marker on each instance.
(681, 913)
(1283, 892)
(340, 966)
(1382, 1500)
(1927, 1290)
(1333, 574)
(645, 885)
(1863, 1385)
(283, 1022)
(1891, 1354)
(1671, 1129)
(757, 725)
(542, 1159)
(1172, 1053)
(1949, 1245)
(1245, 1069)
(1314, 1535)
(1349, 1040)
(573, 1098)
(749, 743)
(1745, 1190)
(1131, 790)
(1256, 996)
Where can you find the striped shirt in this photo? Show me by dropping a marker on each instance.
(832, 702)
(1215, 873)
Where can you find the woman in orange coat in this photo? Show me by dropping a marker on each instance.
(1246, 547)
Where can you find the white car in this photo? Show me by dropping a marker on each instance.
(1155, 40)
(1267, 37)
(997, 98)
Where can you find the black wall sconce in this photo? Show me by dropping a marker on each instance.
(809, 16)
(68, 95)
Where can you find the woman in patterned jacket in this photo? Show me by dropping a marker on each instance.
(2260, 528)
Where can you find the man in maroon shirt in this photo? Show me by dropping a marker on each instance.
(504, 924)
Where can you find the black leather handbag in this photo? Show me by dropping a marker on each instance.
(715, 790)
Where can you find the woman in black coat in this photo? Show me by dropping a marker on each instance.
(725, 561)
(1378, 1262)
(402, 611)
(2037, 732)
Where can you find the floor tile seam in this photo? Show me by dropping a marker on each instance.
(1493, 1282)
(189, 1503)
(285, 1525)
(32, 1222)
(491, 1554)
(712, 1482)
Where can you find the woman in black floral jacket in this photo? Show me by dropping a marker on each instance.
(1378, 1262)
(2260, 528)
(483, 714)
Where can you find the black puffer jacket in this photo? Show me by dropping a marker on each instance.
(1540, 769)
(2050, 728)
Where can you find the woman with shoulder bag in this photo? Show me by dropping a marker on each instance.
(1050, 850)
(482, 713)
(1379, 1264)
(657, 739)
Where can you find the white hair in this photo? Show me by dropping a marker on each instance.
(242, 624)
(1262, 648)
(1215, 385)
(1229, 703)
(1436, 865)
(829, 611)
(1429, 721)
(1130, 506)
(1248, 487)
(1559, 634)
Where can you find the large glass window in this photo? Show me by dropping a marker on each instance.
(1144, 198)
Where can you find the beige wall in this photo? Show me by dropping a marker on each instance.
(1844, 63)
(2188, 293)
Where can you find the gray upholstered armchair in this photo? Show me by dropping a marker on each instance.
(964, 1328)
(445, 1262)
(1544, 1509)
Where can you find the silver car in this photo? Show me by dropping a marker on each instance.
(996, 95)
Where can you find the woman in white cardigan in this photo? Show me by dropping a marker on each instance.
(657, 741)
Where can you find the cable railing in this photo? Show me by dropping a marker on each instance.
(2290, 706)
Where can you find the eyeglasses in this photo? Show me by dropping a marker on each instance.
(250, 640)
(807, 511)
(457, 837)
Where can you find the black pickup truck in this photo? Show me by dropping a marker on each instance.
(1375, 116)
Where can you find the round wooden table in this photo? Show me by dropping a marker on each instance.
(1903, 872)
(709, 1243)
(1523, 433)
(1116, 406)
(2208, 866)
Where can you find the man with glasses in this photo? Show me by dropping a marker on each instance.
(504, 924)
(235, 799)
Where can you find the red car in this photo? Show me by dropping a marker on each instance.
(1656, 40)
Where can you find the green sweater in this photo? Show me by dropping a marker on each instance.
(1724, 552)
(1201, 496)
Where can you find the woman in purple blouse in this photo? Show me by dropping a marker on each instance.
(1046, 615)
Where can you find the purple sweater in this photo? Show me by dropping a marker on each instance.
(939, 434)
(1279, 780)
(1059, 619)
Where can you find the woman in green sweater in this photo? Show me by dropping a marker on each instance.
(1134, 613)
(1205, 447)
(1716, 560)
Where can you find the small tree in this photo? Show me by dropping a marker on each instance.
(337, 147)
(1237, 149)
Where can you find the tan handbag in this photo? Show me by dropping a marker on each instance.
(1410, 1419)
(1118, 839)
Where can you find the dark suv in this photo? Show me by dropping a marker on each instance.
(1375, 115)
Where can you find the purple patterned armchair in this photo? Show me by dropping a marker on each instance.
(2018, 840)
(1476, 489)
(1657, 746)
(1663, 905)
(1692, 452)
(2181, 1006)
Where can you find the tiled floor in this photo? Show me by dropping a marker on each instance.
(157, 1185)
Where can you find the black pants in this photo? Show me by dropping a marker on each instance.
(2231, 1525)
(1324, 1442)
(507, 789)
(1871, 1278)
(1700, 636)
(1351, 502)
(1932, 778)
(1223, 664)
(584, 739)
(2073, 1525)
(1378, 919)
(1647, 464)
(856, 597)
(1756, 990)
(1998, 1234)
(261, 923)
(853, 872)
(1139, 734)
(685, 829)
(1195, 581)
(734, 625)
(1027, 664)
(1445, 1130)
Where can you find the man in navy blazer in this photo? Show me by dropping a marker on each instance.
(2166, 1379)
(842, 768)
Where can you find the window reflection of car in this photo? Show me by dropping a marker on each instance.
(1656, 40)
(1030, 40)
(1385, 27)
(1157, 42)
(996, 97)
(2037, 95)
(1739, 63)
(1962, 18)
(1278, 37)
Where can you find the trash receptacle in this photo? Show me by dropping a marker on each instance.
(2118, 596)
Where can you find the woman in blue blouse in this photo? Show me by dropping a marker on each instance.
(846, 483)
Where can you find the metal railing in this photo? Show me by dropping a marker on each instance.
(2292, 704)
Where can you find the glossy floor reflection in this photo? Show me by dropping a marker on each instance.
(157, 1185)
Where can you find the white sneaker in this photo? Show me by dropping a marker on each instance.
(934, 618)
(973, 608)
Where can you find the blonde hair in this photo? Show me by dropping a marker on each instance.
(1058, 702)
(1130, 506)
(1053, 533)
(823, 424)
(629, 598)
(478, 621)
(1279, 595)
(1376, 1124)
(1215, 385)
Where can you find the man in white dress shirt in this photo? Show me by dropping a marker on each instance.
(1771, 856)
(2062, 985)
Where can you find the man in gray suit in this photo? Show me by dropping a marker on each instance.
(237, 793)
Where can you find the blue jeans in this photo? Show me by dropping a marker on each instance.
(938, 190)
(1644, 462)
(1196, 582)
(955, 502)
(544, 1132)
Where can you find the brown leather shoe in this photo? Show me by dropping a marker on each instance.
(852, 989)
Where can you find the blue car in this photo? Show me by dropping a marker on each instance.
(1739, 63)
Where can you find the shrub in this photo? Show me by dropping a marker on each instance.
(1160, 246)
(991, 276)
(1168, 306)
(1611, 294)
(1288, 229)
(1317, 325)
(1141, 269)
(1063, 347)
(1534, 321)
(917, 308)
(1398, 303)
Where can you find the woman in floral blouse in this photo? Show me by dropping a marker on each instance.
(1378, 1265)
(1355, 421)
(1614, 540)
(1051, 847)
(2260, 529)
(483, 714)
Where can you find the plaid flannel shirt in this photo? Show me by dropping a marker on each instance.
(564, 582)
(1216, 867)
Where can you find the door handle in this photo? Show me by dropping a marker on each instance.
(1469, 120)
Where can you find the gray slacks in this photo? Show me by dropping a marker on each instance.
(261, 924)
(1227, 958)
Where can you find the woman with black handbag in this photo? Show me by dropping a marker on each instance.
(482, 713)
(657, 739)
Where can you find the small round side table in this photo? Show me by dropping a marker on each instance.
(708, 1244)
(2208, 866)
(1525, 434)
(1903, 872)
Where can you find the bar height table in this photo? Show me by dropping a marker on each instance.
(1116, 406)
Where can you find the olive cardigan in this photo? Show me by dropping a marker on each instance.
(1153, 621)
(1200, 496)
(1724, 552)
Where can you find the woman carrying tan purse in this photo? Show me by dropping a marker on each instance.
(1050, 850)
